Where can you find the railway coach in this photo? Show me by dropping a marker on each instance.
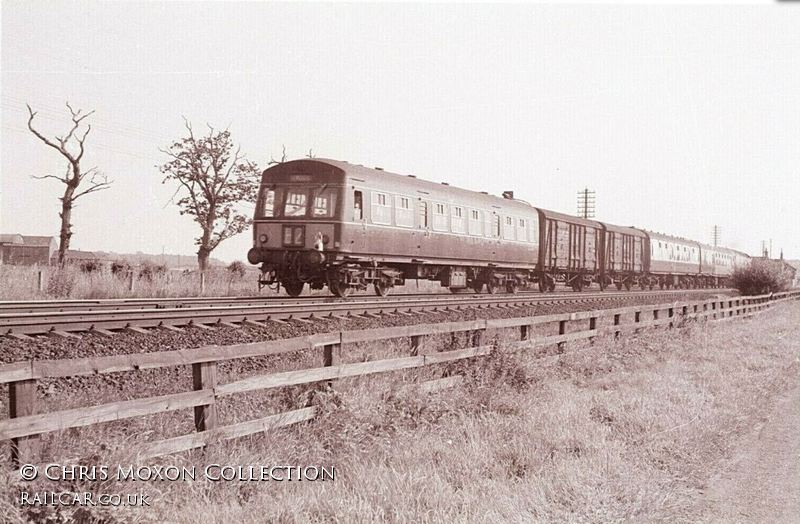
(330, 223)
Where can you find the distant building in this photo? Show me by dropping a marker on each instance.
(27, 250)
(796, 265)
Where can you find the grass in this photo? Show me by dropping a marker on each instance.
(21, 283)
(614, 432)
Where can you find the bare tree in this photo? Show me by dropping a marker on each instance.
(272, 160)
(76, 183)
(212, 179)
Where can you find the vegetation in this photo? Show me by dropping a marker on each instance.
(213, 178)
(77, 182)
(114, 281)
(760, 277)
(632, 431)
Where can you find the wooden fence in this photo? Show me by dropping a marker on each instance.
(24, 423)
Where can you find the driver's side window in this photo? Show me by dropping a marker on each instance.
(358, 206)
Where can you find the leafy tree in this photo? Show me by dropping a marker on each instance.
(77, 183)
(213, 179)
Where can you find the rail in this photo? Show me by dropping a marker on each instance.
(24, 423)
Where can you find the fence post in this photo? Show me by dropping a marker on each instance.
(204, 376)
(637, 316)
(671, 314)
(416, 343)
(327, 359)
(22, 402)
(524, 332)
(616, 323)
(40, 281)
(131, 281)
(562, 330)
(592, 327)
(478, 337)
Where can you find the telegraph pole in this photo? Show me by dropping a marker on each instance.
(586, 201)
(716, 234)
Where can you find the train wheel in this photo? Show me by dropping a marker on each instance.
(551, 286)
(619, 286)
(542, 285)
(578, 285)
(338, 288)
(511, 287)
(491, 287)
(627, 285)
(477, 286)
(293, 287)
(381, 288)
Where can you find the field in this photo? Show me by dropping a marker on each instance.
(635, 430)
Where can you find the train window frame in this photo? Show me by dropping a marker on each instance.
(403, 211)
(330, 196)
(381, 212)
(439, 220)
(457, 221)
(508, 232)
(522, 233)
(475, 223)
(358, 205)
(296, 191)
(276, 204)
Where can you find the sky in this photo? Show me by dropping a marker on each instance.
(679, 117)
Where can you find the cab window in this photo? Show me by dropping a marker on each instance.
(325, 204)
(268, 203)
(296, 203)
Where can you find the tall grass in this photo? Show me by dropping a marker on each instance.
(21, 283)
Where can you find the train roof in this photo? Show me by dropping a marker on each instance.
(569, 218)
(721, 249)
(671, 238)
(625, 230)
(408, 183)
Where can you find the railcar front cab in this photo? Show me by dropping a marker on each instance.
(296, 230)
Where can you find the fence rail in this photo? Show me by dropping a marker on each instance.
(24, 423)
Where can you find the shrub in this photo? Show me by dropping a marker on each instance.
(237, 269)
(148, 270)
(61, 283)
(760, 277)
(91, 266)
(120, 268)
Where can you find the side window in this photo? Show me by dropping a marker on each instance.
(457, 224)
(475, 222)
(521, 230)
(358, 206)
(381, 209)
(508, 228)
(403, 213)
(439, 217)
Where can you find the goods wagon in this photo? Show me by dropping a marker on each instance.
(625, 256)
(569, 248)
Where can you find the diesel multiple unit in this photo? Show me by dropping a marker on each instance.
(330, 223)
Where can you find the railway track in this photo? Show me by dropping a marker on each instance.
(65, 318)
